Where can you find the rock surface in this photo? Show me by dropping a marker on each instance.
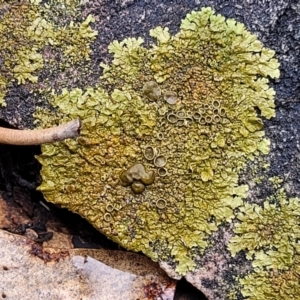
(75, 274)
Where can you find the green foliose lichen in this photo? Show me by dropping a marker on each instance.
(190, 99)
(269, 234)
(276, 284)
(32, 35)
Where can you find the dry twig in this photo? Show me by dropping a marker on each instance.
(40, 136)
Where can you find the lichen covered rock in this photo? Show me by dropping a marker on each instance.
(186, 111)
(33, 36)
(269, 235)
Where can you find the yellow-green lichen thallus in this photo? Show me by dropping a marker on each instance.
(185, 110)
(269, 235)
(33, 35)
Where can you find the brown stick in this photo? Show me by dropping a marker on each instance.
(40, 136)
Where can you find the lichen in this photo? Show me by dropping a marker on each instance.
(268, 232)
(28, 29)
(273, 285)
(269, 235)
(218, 72)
